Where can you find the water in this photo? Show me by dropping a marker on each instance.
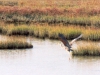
(47, 57)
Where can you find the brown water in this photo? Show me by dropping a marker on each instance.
(47, 57)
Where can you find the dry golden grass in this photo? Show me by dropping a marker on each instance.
(80, 12)
(87, 48)
(71, 7)
(14, 43)
(52, 31)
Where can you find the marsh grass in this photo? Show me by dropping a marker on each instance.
(19, 30)
(14, 43)
(28, 18)
(91, 34)
(88, 49)
(80, 12)
(8, 3)
(51, 31)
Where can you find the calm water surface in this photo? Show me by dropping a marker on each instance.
(46, 58)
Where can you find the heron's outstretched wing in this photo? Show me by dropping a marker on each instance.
(76, 39)
(64, 41)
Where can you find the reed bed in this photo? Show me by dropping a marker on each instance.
(69, 17)
(80, 12)
(27, 15)
(14, 43)
(51, 18)
(88, 49)
(43, 31)
(52, 31)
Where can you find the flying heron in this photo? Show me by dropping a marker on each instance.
(66, 43)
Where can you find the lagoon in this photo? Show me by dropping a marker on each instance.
(47, 57)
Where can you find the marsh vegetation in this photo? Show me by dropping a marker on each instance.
(46, 19)
(51, 31)
(13, 42)
(80, 12)
(89, 48)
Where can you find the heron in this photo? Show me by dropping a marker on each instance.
(66, 43)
